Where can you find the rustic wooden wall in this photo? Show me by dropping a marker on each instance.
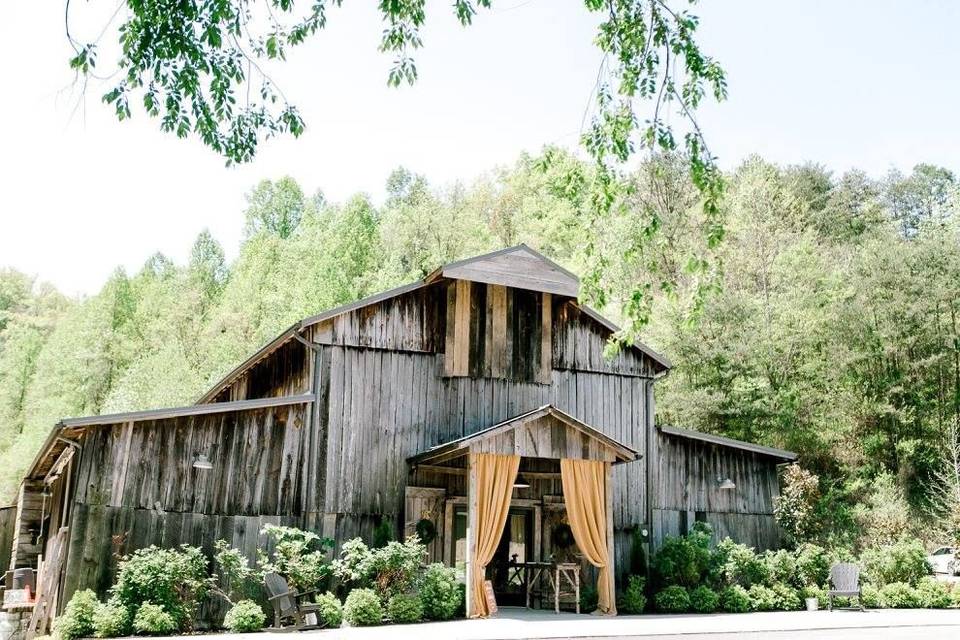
(378, 407)
(285, 372)
(686, 482)
(8, 520)
(26, 527)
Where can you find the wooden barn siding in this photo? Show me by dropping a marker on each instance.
(8, 521)
(384, 406)
(259, 463)
(285, 372)
(686, 483)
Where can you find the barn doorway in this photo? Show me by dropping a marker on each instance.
(516, 547)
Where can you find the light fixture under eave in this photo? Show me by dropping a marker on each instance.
(202, 462)
(520, 483)
(725, 483)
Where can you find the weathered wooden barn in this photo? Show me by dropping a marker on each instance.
(372, 412)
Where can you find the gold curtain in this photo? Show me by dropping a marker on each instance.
(495, 477)
(585, 494)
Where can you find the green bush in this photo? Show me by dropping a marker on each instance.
(782, 568)
(329, 610)
(245, 616)
(787, 598)
(898, 595)
(390, 570)
(813, 564)
(703, 599)
(174, 579)
(683, 560)
(673, 599)
(735, 600)
(819, 593)
(152, 620)
(362, 608)
(932, 594)
(634, 599)
(77, 618)
(440, 592)
(902, 561)
(870, 597)
(589, 597)
(111, 620)
(740, 565)
(955, 595)
(300, 556)
(404, 608)
(762, 598)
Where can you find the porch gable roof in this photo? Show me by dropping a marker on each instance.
(533, 436)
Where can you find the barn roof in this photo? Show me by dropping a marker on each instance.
(781, 454)
(461, 446)
(63, 433)
(518, 266)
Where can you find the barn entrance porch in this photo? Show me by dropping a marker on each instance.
(534, 489)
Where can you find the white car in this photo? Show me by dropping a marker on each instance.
(944, 560)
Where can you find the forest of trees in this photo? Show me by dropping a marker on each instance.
(831, 330)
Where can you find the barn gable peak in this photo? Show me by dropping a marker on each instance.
(519, 266)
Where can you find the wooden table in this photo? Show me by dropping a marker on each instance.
(554, 574)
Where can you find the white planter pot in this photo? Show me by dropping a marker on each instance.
(812, 604)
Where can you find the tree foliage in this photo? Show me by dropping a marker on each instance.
(834, 330)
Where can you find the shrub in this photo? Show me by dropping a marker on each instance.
(870, 596)
(932, 594)
(77, 618)
(405, 608)
(152, 620)
(390, 570)
(440, 592)
(684, 560)
(898, 595)
(902, 561)
(762, 598)
(173, 579)
(245, 616)
(300, 556)
(786, 597)
(955, 595)
(813, 564)
(362, 608)
(794, 508)
(589, 597)
(740, 565)
(673, 599)
(819, 593)
(634, 600)
(735, 600)
(704, 600)
(111, 620)
(781, 568)
(329, 610)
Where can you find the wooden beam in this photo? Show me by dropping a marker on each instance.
(472, 516)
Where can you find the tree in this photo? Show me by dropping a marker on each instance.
(208, 267)
(203, 69)
(275, 207)
(920, 197)
(794, 508)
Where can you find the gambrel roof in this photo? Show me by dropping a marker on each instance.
(519, 266)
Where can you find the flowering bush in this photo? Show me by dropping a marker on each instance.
(173, 579)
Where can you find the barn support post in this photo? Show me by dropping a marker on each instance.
(471, 531)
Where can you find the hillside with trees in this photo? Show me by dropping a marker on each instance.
(825, 322)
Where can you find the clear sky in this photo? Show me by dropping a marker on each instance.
(848, 83)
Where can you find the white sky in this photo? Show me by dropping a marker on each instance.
(856, 83)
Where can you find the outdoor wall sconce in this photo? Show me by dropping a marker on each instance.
(202, 462)
(725, 483)
(520, 483)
